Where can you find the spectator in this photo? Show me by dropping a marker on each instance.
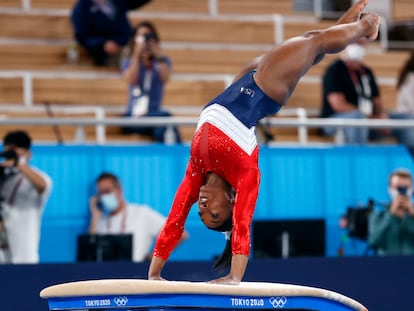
(111, 214)
(24, 193)
(102, 28)
(350, 91)
(147, 70)
(391, 231)
(405, 85)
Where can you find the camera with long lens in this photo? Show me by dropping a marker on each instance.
(357, 220)
(8, 155)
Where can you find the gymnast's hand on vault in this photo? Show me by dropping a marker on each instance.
(156, 278)
(227, 280)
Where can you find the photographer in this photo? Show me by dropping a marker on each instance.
(391, 231)
(24, 193)
(146, 71)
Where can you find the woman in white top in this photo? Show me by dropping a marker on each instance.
(405, 85)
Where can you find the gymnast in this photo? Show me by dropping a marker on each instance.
(222, 173)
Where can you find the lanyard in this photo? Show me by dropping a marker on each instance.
(364, 89)
(146, 86)
(14, 191)
(123, 222)
(147, 80)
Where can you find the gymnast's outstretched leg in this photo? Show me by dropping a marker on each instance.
(279, 70)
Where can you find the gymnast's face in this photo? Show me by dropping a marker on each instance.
(214, 206)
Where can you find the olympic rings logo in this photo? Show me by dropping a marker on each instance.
(278, 302)
(121, 301)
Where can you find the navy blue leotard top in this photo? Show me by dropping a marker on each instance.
(246, 101)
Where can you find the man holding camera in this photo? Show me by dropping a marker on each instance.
(24, 192)
(391, 231)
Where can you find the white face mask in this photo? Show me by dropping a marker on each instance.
(109, 202)
(355, 52)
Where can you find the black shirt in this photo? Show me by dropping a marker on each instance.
(337, 78)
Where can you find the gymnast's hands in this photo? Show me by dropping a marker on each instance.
(154, 272)
(226, 280)
(238, 267)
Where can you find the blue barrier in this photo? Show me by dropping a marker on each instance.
(297, 183)
(379, 283)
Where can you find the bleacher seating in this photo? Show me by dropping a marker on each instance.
(403, 10)
(37, 41)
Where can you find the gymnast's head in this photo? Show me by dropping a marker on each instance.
(215, 204)
(215, 208)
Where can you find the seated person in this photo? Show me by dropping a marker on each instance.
(102, 28)
(146, 71)
(111, 214)
(391, 231)
(350, 91)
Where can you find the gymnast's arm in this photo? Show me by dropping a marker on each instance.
(172, 232)
(247, 191)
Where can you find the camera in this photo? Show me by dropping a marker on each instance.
(149, 37)
(145, 38)
(8, 155)
(403, 191)
(357, 220)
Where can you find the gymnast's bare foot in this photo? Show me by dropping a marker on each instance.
(352, 14)
(371, 22)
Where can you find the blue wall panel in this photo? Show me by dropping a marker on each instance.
(296, 183)
(289, 177)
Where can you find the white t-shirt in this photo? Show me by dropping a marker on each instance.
(143, 222)
(405, 96)
(22, 211)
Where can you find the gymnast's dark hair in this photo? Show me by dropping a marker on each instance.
(224, 261)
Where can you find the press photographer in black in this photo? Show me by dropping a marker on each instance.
(24, 191)
(391, 231)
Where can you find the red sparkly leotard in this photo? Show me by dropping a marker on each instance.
(225, 144)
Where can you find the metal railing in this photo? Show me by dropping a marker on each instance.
(301, 122)
(100, 113)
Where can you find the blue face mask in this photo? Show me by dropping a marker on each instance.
(109, 202)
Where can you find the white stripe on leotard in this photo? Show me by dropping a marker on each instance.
(224, 120)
